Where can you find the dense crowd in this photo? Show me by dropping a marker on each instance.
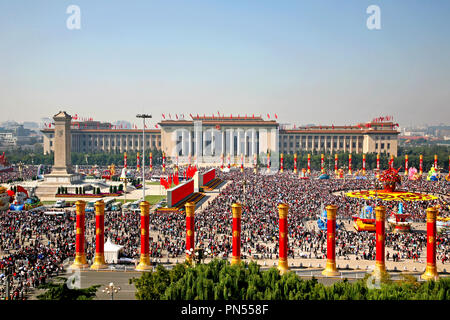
(34, 245)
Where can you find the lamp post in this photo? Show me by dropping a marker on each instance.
(143, 116)
(111, 289)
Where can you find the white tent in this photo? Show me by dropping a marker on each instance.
(112, 252)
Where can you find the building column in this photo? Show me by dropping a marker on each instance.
(254, 142)
(213, 143)
(246, 153)
(204, 143)
(239, 138)
(190, 143)
(224, 151)
(232, 144)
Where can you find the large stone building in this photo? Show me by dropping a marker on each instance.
(93, 137)
(206, 139)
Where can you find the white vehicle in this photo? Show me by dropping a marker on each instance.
(60, 204)
(90, 205)
(108, 203)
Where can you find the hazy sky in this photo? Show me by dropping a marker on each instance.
(308, 61)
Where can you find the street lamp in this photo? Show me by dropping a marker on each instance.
(111, 289)
(143, 116)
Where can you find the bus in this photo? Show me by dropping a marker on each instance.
(116, 206)
(109, 203)
(90, 205)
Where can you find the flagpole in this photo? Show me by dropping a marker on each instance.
(143, 116)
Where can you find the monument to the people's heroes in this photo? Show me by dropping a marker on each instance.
(62, 169)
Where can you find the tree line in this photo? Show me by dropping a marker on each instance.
(218, 280)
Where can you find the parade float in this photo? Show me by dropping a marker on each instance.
(433, 175)
(399, 221)
(22, 201)
(442, 224)
(365, 220)
(304, 174)
(413, 175)
(4, 199)
(322, 219)
(4, 165)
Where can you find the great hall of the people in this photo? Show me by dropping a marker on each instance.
(206, 139)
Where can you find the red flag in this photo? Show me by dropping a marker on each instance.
(170, 180)
(276, 116)
(176, 180)
(156, 126)
(163, 116)
(268, 116)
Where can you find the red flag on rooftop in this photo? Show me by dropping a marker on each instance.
(276, 117)
(190, 114)
(176, 116)
(268, 116)
(253, 116)
(156, 126)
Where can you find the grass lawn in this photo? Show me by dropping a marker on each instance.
(153, 183)
(152, 199)
(48, 202)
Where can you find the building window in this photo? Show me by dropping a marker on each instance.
(354, 145)
(382, 146)
(51, 143)
(388, 145)
(376, 145)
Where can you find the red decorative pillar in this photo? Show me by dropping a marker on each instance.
(380, 267)
(151, 162)
(242, 162)
(431, 270)
(295, 163)
(321, 162)
(99, 260)
(378, 162)
(190, 229)
(281, 163)
(330, 269)
(236, 209)
(336, 164)
(268, 162)
(349, 164)
(144, 263)
(406, 164)
(364, 164)
(435, 162)
(421, 165)
(309, 163)
(138, 160)
(80, 255)
(283, 238)
(125, 160)
(221, 161)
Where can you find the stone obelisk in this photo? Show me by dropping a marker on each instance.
(62, 168)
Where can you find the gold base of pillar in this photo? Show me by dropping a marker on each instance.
(330, 269)
(430, 273)
(283, 266)
(144, 263)
(99, 263)
(80, 262)
(235, 260)
(380, 270)
(295, 171)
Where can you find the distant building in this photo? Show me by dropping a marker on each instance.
(206, 139)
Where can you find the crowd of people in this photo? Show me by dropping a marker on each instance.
(34, 245)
